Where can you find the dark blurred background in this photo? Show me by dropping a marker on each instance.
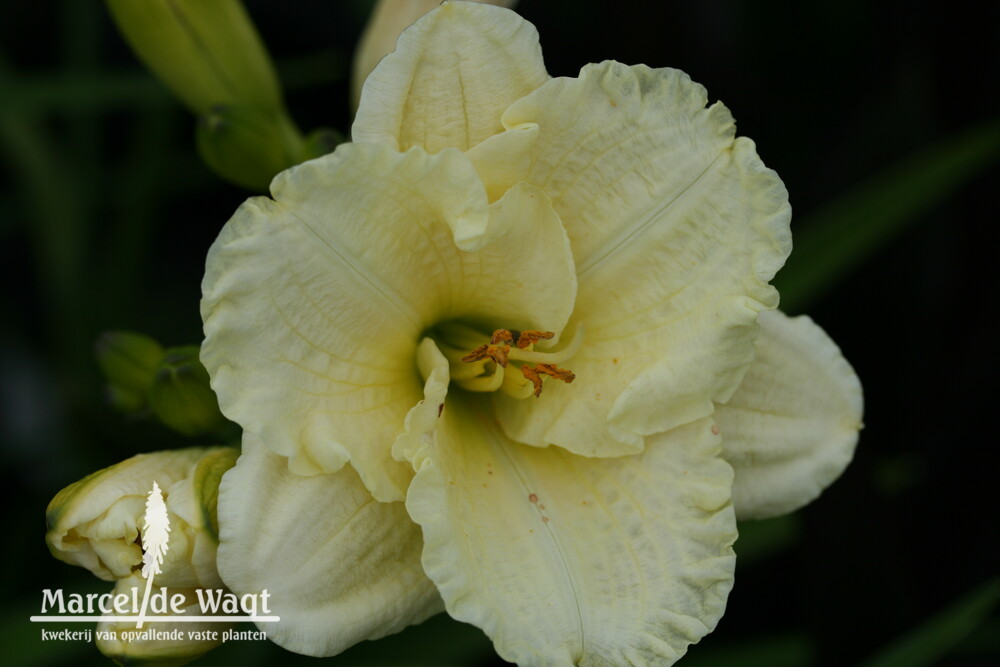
(106, 214)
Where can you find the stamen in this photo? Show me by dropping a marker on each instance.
(485, 382)
(498, 353)
(557, 373)
(526, 338)
(534, 375)
(531, 375)
(517, 386)
(488, 376)
(564, 354)
(502, 336)
(477, 354)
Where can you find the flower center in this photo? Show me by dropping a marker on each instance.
(508, 362)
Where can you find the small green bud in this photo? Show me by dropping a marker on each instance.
(247, 146)
(129, 361)
(181, 396)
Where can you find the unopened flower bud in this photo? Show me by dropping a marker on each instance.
(181, 396)
(95, 522)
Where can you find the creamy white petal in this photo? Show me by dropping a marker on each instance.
(450, 78)
(340, 567)
(314, 302)
(676, 227)
(791, 428)
(568, 560)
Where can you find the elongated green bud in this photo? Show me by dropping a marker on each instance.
(206, 51)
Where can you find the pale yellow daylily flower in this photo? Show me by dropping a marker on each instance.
(521, 305)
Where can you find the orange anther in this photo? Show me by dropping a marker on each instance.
(502, 336)
(477, 354)
(557, 373)
(529, 374)
(526, 338)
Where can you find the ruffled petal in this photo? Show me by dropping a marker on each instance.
(450, 78)
(567, 560)
(314, 302)
(676, 228)
(791, 428)
(339, 566)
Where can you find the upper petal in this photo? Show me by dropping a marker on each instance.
(565, 560)
(339, 566)
(791, 428)
(388, 19)
(314, 302)
(676, 228)
(450, 78)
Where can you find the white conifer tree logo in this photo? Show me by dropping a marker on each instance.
(155, 536)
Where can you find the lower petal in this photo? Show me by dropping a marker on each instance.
(791, 427)
(565, 560)
(340, 567)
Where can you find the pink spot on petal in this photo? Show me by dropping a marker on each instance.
(533, 498)
(715, 430)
